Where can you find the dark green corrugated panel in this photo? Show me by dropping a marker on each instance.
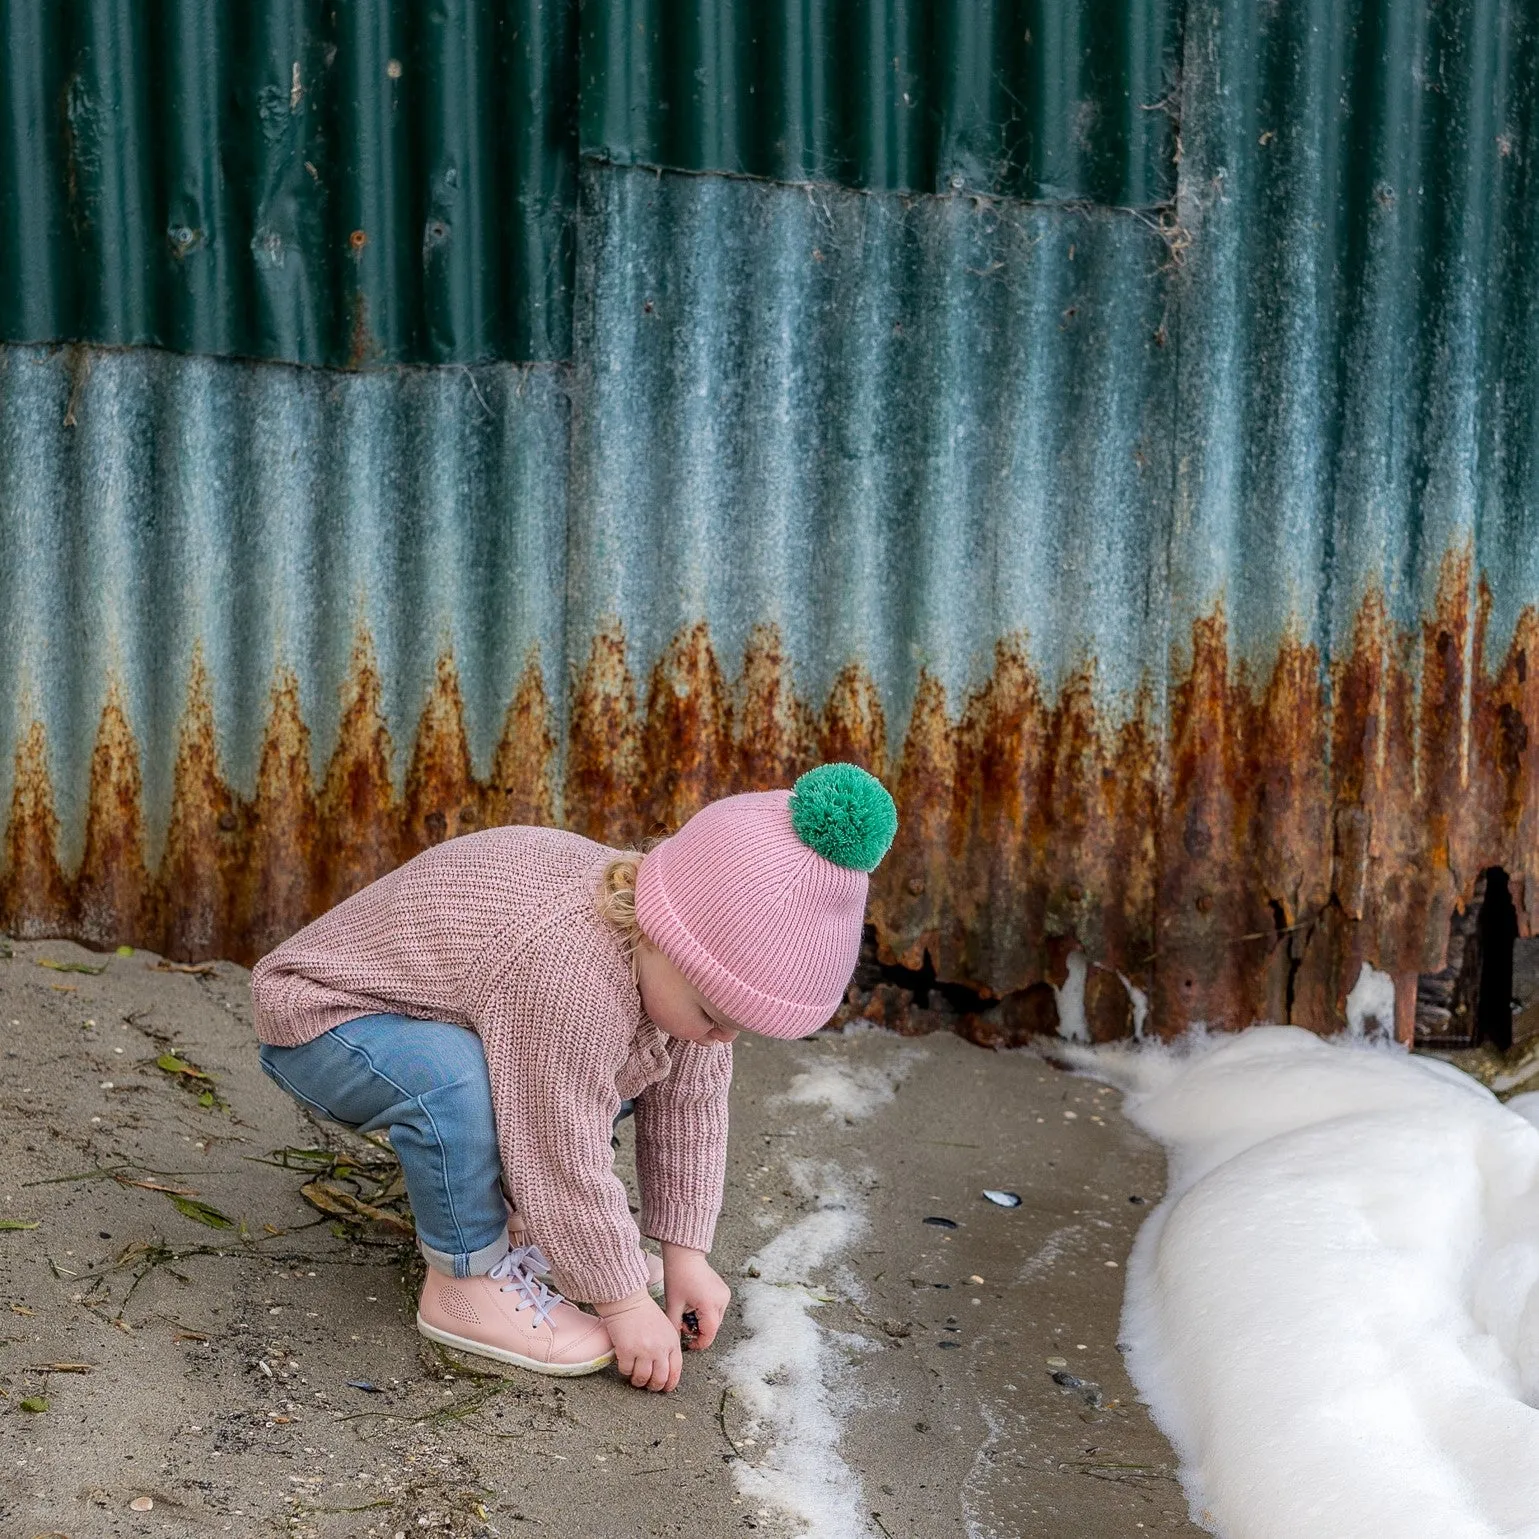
(1041, 99)
(341, 184)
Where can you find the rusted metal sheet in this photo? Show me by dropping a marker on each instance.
(1027, 831)
(1177, 569)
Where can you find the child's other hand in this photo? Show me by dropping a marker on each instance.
(646, 1345)
(691, 1286)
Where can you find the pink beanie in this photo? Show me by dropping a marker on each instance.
(758, 900)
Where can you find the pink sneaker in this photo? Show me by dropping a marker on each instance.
(654, 1263)
(510, 1315)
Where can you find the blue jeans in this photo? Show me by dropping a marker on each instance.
(425, 1084)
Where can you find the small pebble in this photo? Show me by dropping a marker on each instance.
(143, 1504)
(1057, 1362)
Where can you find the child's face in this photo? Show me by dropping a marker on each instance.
(674, 1003)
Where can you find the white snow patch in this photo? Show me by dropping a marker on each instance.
(851, 1091)
(1073, 1024)
(1372, 999)
(1334, 1313)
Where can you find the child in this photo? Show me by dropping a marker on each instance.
(492, 1002)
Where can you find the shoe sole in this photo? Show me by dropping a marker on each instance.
(534, 1365)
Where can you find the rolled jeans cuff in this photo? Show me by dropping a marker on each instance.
(477, 1264)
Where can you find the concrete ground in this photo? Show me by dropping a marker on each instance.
(179, 1324)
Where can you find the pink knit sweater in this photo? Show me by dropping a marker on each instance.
(497, 931)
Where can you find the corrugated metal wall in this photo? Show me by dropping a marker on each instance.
(1115, 424)
(341, 184)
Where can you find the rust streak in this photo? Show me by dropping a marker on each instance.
(686, 745)
(280, 856)
(194, 868)
(34, 896)
(113, 899)
(442, 798)
(520, 790)
(604, 753)
(358, 808)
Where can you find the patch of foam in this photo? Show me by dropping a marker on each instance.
(1372, 999)
(1140, 1003)
(851, 1091)
(786, 1370)
(1050, 1252)
(1073, 1024)
(1334, 1313)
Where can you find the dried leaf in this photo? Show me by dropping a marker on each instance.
(62, 1368)
(196, 969)
(155, 1186)
(22, 1309)
(324, 1198)
(71, 967)
(16, 1223)
(332, 1199)
(200, 1212)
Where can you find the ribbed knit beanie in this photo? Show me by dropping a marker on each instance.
(758, 900)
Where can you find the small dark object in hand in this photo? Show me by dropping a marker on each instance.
(691, 1332)
(942, 1223)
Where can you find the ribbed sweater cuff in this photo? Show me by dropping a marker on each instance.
(603, 1282)
(677, 1223)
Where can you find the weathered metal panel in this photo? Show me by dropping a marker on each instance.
(1176, 566)
(1061, 100)
(263, 627)
(323, 184)
(1356, 509)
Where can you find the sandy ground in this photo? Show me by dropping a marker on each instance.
(145, 1354)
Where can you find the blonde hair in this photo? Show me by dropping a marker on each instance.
(616, 902)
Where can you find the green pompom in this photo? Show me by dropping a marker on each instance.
(844, 814)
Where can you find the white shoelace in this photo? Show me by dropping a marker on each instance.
(519, 1272)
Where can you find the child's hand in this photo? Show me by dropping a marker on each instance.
(646, 1346)
(691, 1286)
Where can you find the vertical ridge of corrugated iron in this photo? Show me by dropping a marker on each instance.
(1162, 528)
(332, 185)
(1031, 99)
